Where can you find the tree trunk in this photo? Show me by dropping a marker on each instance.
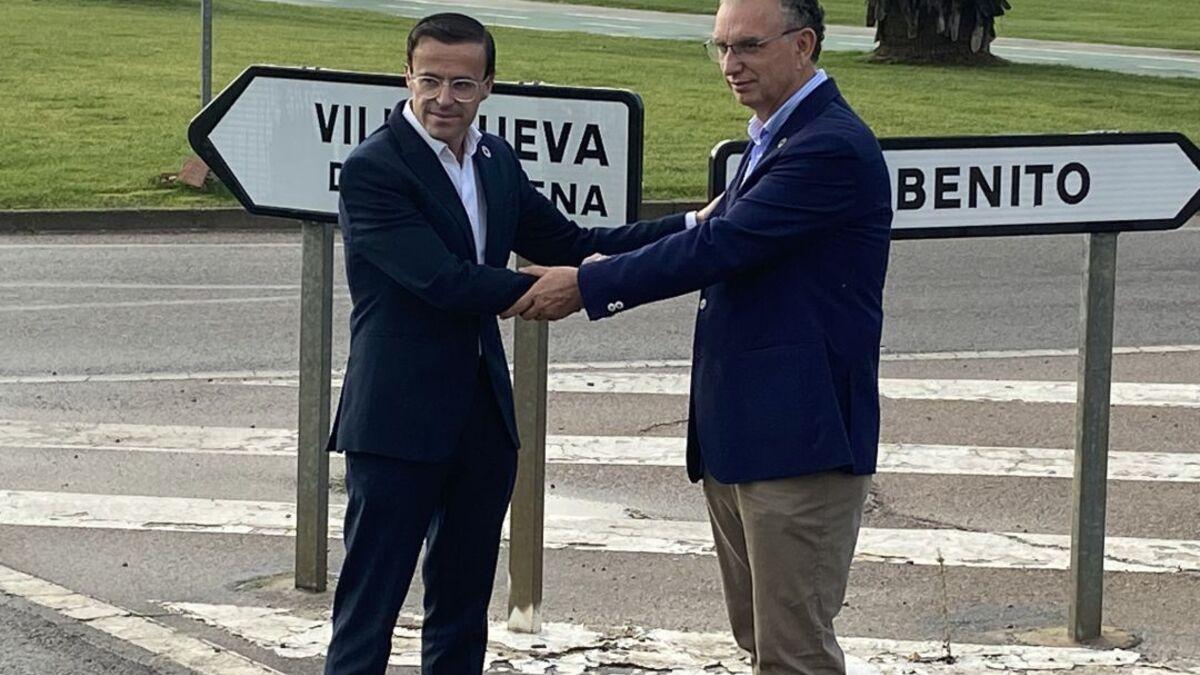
(926, 44)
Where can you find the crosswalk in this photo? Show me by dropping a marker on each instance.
(585, 521)
(1027, 391)
(906, 458)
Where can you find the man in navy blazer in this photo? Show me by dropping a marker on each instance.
(431, 209)
(790, 264)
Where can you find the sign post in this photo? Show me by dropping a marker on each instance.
(205, 52)
(1095, 184)
(531, 346)
(316, 349)
(1089, 491)
(277, 138)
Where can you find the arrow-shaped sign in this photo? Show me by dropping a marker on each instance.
(1018, 185)
(277, 138)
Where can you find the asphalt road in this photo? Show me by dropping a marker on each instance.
(675, 26)
(142, 303)
(152, 490)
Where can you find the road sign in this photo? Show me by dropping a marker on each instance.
(1019, 185)
(277, 138)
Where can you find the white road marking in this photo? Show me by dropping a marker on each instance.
(198, 655)
(596, 526)
(148, 438)
(636, 22)
(288, 375)
(1029, 391)
(1152, 394)
(489, 16)
(904, 458)
(1054, 59)
(1000, 391)
(149, 303)
(1031, 353)
(83, 378)
(624, 28)
(572, 649)
(1010, 48)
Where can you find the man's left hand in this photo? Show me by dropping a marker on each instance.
(555, 295)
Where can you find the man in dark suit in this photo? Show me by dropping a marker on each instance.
(784, 417)
(431, 209)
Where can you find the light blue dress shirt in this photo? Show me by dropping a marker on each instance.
(761, 133)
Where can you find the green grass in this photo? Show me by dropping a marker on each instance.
(1150, 23)
(98, 93)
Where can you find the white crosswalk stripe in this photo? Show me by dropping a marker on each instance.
(1153, 394)
(572, 648)
(907, 458)
(595, 526)
(200, 656)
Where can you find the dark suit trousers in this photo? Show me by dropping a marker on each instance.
(457, 509)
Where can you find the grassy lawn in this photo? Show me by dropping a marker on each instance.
(98, 93)
(1153, 23)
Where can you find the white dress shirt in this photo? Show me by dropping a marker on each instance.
(462, 176)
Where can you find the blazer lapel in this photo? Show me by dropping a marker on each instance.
(428, 169)
(809, 108)
(498, 201)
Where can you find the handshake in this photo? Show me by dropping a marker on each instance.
(555, 295)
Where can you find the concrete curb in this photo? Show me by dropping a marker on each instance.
(192, 220)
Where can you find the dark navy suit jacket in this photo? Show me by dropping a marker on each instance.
(423, 309)
(791, 267)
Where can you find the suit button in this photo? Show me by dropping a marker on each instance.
(612, 306)
(703, 303)
(620, 305)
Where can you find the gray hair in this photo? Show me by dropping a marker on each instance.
(806, 14)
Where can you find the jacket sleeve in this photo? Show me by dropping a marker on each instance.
(382, 223)
(808, 190)
(547, 237)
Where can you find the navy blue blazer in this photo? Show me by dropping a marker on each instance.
(791, 267)
(423, 308)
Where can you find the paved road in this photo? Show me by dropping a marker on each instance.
(152, 503)
(674, 26)
(118, 304)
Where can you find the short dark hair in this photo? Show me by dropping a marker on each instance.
(806, 14)
(452, 29)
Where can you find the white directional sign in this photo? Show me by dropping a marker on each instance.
(277, 138)
(956, 187)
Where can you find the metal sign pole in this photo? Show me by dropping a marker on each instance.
(316, 348)
(527, 514)
(205, 52)
(1091, 440)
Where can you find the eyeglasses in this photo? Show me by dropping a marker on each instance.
(717, 51)
(463, 89)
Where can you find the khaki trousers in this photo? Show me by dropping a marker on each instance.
(784, 548)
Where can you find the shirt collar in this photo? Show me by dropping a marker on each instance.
(759, 131)
(470, 144)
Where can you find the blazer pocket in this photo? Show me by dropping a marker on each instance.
(765, 399)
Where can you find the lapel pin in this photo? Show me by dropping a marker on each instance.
(486, 153)
(781, 142)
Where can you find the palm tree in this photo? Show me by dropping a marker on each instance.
(935, 31)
